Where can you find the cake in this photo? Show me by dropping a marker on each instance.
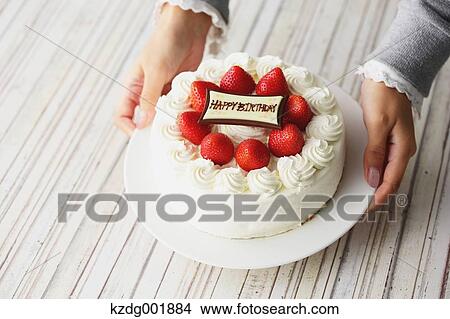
(304, 156)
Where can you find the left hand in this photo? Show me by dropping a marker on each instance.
(388, 118)
(176, 45)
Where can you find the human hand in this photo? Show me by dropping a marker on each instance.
(389, 122)
(176, 45)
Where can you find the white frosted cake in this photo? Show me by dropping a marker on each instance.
(302, 157)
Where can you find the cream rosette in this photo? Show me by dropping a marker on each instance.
(319, 152)
(181, 85)
(267, 63)
(203, 173)
(231, 179)
(211, 70)
(171, 132)
(170, 105)
(295, 171)
(182, 152)
(263, 181)
(321, 100)
(327, 127)
(242, 59)
(299, 79)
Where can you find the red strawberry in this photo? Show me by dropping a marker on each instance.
(297, 111)
(252, 154)
(218, 148)
(190, 128)
(237, 81)
(273, 83)
(198, 93)
(287, 141)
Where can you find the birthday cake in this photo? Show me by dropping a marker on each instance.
(257, 136)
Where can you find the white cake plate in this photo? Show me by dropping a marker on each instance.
(293, 245)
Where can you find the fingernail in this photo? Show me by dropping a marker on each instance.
(374, 177)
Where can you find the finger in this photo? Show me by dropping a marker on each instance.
(375, 153)
(126, 125)
(123, 117)
(399, 155)
(153, 84)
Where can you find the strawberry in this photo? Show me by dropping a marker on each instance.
(286, 141)
(237, 81)
(218, 148)
(252, 154)
(273, 83)
(198, 93)
(190, 128)
(297, 111)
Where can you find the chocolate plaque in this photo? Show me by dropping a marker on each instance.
(251, 110)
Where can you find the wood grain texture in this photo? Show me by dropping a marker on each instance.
(56, 136)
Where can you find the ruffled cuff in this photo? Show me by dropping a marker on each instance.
(216, 34)
(380, 72)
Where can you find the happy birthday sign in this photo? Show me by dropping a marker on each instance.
(252, 110)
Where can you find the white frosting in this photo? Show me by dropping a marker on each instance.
(327, 127)
(232, 180)
(266, 64)
(299, 79)
(181, 84)
(172, 105)
(211, 70)
(203, 173)
(316, 170)
(171, 131)
(319, 152)
(263, 181)
(242, 59)
(239, 133)
(182, 152)
(295, 171)
(320, 99)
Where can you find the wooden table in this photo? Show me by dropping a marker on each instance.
(56, 136)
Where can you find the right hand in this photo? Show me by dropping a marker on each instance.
(390, 126)
(176, 45)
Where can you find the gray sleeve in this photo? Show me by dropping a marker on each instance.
(221, 6)
(418, 42)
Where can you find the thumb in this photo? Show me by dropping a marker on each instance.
(151, 91)
(375, 155)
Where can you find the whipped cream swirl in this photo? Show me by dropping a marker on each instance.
(171, 132)
(239, 133)
(263, 181)
(211, 70)
(299, 79)
(319, 152)
(203, 173)
(182, 152)
(242, 59)
(232, 180)
(172, 104)
(327, 127)
(181, 84)
(295, 171)
(321, 100)
(267, 63)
